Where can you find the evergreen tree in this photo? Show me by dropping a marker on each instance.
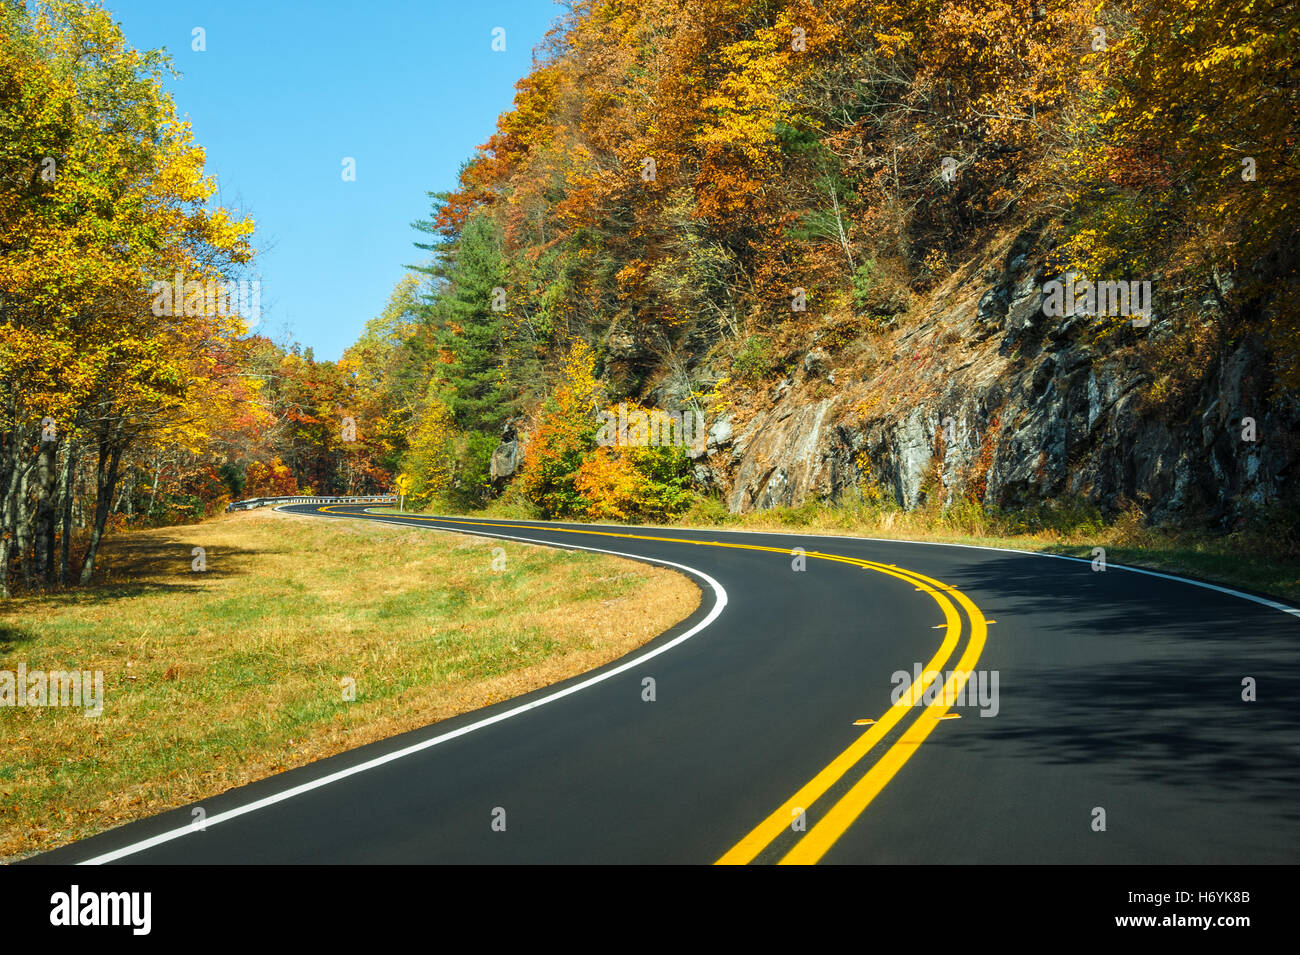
(467, 311)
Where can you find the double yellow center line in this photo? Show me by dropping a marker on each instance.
(818, 840)
(815, 843)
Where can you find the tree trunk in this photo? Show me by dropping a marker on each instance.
(23, 526)
(10, 449)
(110, 451)
(839, 223)
(68, 480)
(48, 488)
(6, 531)
(157, 476)
(125, 492)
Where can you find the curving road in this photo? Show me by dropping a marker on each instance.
(780, 729)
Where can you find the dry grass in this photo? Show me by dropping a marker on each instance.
(216, 679)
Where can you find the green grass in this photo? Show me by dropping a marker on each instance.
(214, 679)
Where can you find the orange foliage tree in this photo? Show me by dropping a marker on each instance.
(565, 433)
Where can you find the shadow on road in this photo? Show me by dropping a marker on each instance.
(1143, 674)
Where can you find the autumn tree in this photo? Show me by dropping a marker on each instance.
(101, 193)
(565, 433)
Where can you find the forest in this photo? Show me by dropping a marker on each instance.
(682, 194)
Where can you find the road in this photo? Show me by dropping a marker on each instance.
(780, 731)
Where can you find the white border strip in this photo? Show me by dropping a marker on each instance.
(719, 603)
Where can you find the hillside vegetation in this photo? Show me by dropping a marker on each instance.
(829, 230)
(692, 203)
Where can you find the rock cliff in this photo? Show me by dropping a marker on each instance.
(989, 397)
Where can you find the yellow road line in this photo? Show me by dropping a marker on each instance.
(852, 804)
(758, 838)
(774, 825)
(826, 832)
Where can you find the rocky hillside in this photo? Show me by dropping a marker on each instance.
(988, 397)
(839, 230)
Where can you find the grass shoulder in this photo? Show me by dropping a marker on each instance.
(217, 678)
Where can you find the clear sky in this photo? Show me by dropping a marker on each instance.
(285, 90)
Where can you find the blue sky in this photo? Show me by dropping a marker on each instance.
(285, 90)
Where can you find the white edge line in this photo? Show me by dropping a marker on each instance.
(1253, 598)
(298, 790)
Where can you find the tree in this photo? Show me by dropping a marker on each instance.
(565, 433)
(101, 193)
(467, 311)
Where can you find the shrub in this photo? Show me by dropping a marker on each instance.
(650, 482)
(706, 509)
(610, 486)
(754, 360)
(880, 292)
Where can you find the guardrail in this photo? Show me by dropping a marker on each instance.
(252, 502)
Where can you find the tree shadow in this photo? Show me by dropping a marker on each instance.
(1143, 676)
(129, 569)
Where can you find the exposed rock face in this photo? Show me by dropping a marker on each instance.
(992, 397)
(509, 453)
(816, 362)
(783, 460)
(720, 433)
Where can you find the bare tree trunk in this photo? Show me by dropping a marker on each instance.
(23, 526)
(69, 481)
(157, 476)
(43, 555)
(48, 487)
(125, 492)
(8, 470)
(839, 224)
(10, 475)
(110, 450)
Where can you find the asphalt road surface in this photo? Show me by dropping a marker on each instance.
(1079, 716)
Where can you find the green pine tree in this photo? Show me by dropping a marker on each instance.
(467, 312)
